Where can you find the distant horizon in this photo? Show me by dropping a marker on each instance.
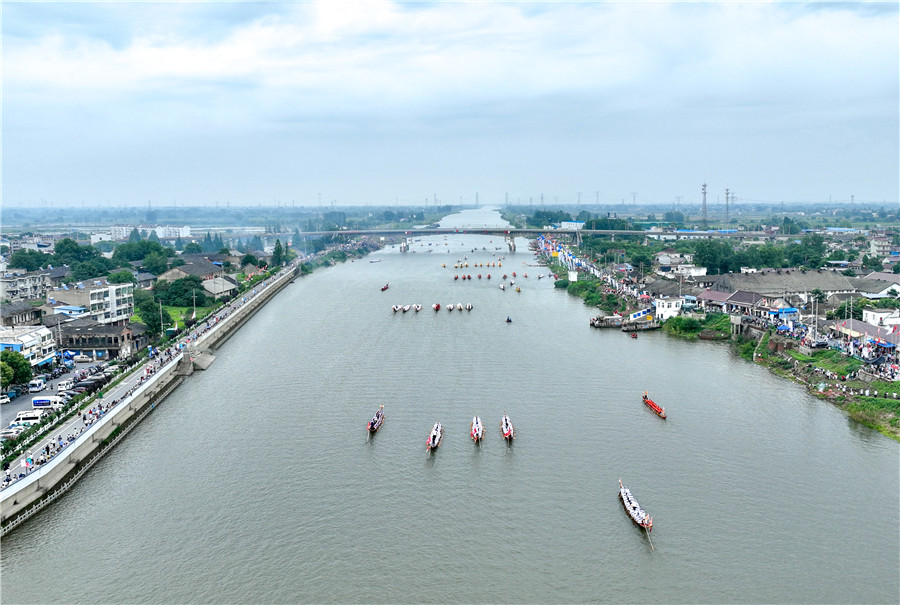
(385, 102)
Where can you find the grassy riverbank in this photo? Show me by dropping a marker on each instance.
(880, 409)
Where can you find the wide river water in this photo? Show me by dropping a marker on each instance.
(255, 482)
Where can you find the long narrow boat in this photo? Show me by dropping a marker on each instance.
(634, 510)
(476, 430)
(661, 412)
(377, 420)
(384, 287)
(435, 437)
(507, 428)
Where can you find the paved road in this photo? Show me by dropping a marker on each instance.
(75, 425)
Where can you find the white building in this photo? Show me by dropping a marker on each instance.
(172, 232)
(106, 303)
(668, 307)
(885, 318)
(35, 343)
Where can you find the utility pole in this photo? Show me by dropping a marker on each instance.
(579, 198)
(597, 197)
(726, 204)
(703, 191)
(634, 197)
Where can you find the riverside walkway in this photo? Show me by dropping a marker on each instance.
(45, 455)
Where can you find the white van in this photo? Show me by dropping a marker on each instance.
(37, 385)
(49, 402)
(27, 417)
(65, 385)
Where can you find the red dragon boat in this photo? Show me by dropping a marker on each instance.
(661, 412)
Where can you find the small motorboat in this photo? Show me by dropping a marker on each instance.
(377, 420)
(634, 334)
(476, 430)
(417, 307)
(436, 306)
(450, 307)
(396, 308)
(434, 438)
(518, 289)
(503, 286)
(455, 277)
(634, 509)
(469, 307)
(661, 412)
(479, 276)
(459, 306)
(504, 276)
(384, 287)
(488, 275)
(407, 308)
(507, 428)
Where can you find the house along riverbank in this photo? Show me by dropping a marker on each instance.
(135, 398)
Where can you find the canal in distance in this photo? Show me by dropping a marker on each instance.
(255, 481)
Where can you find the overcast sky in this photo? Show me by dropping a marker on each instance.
(369, 101)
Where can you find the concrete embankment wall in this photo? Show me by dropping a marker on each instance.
(18, 497)
(28, 495)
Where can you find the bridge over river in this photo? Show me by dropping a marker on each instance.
(577, 234)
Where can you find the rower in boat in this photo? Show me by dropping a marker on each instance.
(469, 306)
(436, 306)
(384, 287)
(507, 428)
(417, 307)
(396, 308)
(406, 308)
(459, 306)
(377, 420)
(659, 411)
(476, 430)
(503, 286)
(634, 510)
(508, 320)
(450, 307)
(434, 438)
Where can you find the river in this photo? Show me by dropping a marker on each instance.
(255, 481)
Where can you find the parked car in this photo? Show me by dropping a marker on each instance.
(4, 399)
(82, 359)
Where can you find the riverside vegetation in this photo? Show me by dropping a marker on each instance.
(875, 404)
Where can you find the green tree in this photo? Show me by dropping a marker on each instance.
(248, 259)
(150, 315)
(22, 372)
(156, 263)
(192, 248)
(278, 254)
(121, 277)
(6, 374)
(179, 245)
(818, 296)
(134, 236)
(30, 260)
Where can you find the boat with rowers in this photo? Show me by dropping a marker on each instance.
(476, 430)
(377, 420)
(507, 428)
(634, 510)
(661, 412)
(435, 437)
